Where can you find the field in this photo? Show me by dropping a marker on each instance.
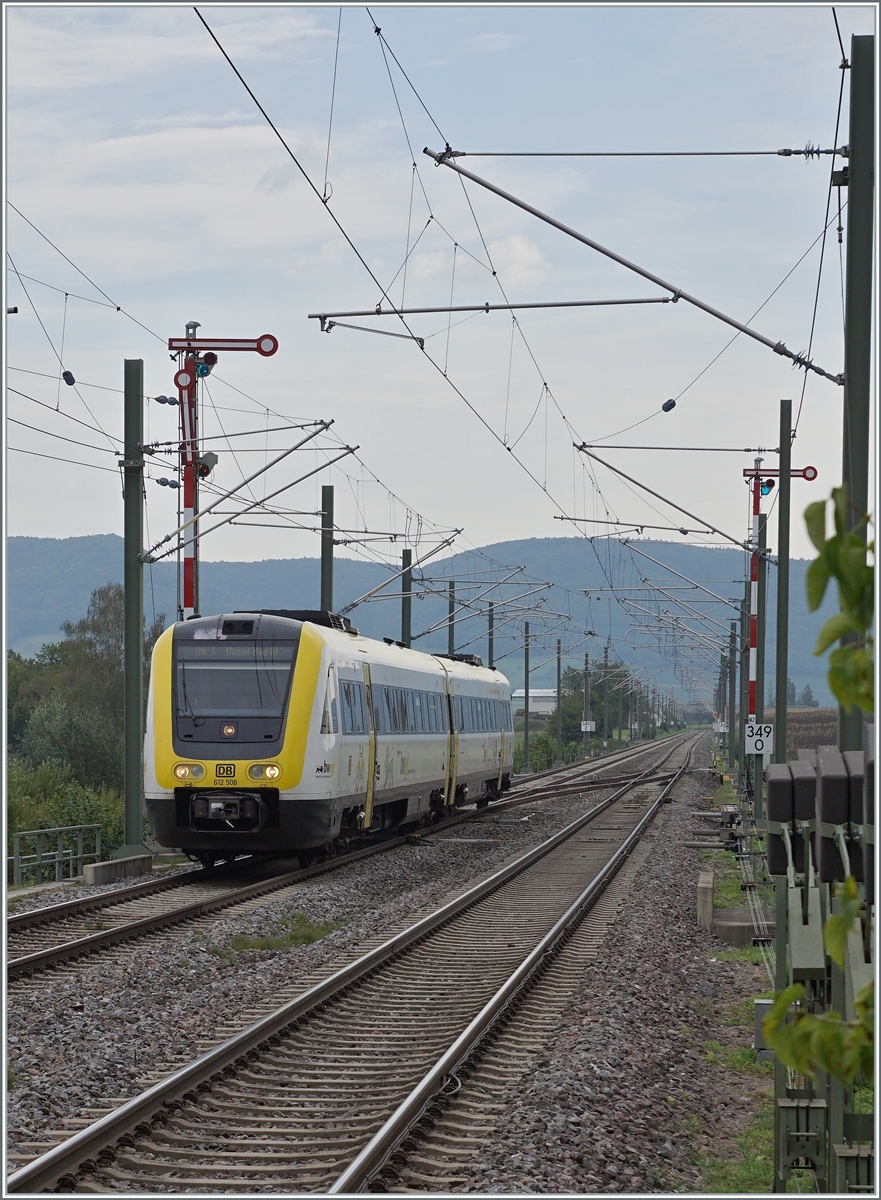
(807, 728)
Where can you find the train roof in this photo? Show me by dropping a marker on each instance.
(336, 631)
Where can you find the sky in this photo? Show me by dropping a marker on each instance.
(134, 148)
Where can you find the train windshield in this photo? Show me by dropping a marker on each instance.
(233, 679)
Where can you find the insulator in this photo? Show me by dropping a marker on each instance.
(68, 378)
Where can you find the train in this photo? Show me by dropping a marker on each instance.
(286, 732)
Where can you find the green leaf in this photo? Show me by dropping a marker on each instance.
(838, 926)
(851, 677)
(816, 581)
(815, 521)
(836, 627)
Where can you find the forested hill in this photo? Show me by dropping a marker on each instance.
(49, 581)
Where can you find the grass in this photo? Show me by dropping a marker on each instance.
(752, 1169)
(741, 1013)
(751, 954)
(294, 930)
(10, 1078)
(727, 892)
(736, 1058)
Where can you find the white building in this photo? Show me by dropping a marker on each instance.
(542, 701)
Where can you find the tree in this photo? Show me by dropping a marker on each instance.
(806, 698)
(790, 693)
(77, 685)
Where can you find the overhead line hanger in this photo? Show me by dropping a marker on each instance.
(808, 152)
(329, 319)
(444, 158)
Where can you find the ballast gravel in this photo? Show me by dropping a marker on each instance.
(603, 1109)
(625, 1098)
(86, 1034)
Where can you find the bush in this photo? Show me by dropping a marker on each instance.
(46, 796)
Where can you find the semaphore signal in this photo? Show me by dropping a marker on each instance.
(198, 357)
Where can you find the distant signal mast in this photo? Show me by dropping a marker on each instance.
(197, 357)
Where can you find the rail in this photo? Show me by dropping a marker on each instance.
(57, 1168)
(385, 1141)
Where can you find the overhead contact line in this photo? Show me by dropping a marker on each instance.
(445, 158)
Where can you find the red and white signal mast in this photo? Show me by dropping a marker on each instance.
(197, 358)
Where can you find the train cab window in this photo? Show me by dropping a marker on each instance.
(233, 679)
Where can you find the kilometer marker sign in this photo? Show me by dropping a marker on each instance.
(759, 739)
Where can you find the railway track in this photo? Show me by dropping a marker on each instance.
(322, 1093)
(49, 937)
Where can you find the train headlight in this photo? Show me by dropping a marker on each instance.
(188, 771)
(264, 771)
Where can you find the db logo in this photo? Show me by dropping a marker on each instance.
(225, 770)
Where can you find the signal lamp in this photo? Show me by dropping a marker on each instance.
(206, 464)
(188, 771)
(264, 771)
(767, 485)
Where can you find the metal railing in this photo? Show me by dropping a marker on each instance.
(52, 851)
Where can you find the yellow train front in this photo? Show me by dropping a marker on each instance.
(287, 732)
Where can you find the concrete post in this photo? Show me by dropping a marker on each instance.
(858, 315)
(526, 698)
(406, 598)
(781, 676)
(133, 544)
(327, 548)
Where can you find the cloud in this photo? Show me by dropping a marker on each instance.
(72, 52)
(518, 260)
(493, 43)
(277, 179)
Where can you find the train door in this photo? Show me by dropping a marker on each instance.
(499, 706)
(371, 749)
(453, 755)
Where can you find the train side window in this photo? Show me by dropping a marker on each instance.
(328, 719)
(352, 705)
(420, 724)
(410, 727)
(431, 701)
